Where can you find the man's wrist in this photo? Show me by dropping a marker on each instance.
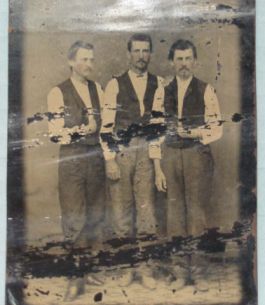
(110, 160)
(157, 164)
(196, 133)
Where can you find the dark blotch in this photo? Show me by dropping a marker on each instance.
(43, 292)
(221, 7)
(237, 117)
(98, 297)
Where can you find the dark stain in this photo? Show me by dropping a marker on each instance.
(55, 139)
(98, 297)
(124, 293)
(38, 263)
(124, 136)
(224, 7)
(221, 122)
(37, 117)
(58, 295)
(43, 292)
(237, 117)
(108, 125)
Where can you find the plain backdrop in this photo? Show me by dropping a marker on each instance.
(44, 65)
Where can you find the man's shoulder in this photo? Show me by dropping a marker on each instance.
(119, 75)
(199, 81)
(204, 86)
(64, 84)
(97, 84)
(158, 78)
(170, 83)
(56, 90)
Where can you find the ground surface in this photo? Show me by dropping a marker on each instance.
(224, 288)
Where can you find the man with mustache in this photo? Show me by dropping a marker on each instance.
(75, 107)
(128, 103)
(186, 170)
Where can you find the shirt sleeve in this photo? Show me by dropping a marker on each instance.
(108, 117)
(213, 128)
(56, 123)
(157, 118)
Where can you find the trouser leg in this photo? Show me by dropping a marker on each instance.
(172, 166)
(198, 174)
(121, 195)
(144, 191)
(92, 233)
(72, 192)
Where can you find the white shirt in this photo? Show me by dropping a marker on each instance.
(139, 84)
(182, 88)
(212, 115)
(56, 105)
(110, 104)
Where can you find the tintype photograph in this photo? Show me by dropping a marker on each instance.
(131, 152)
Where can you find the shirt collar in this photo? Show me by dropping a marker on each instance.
(184, 82)
(134, 75)
(77, 83)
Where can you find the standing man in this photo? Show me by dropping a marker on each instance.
(128, 102)
(75, 107)
(193, 122)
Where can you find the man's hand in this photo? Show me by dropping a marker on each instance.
(113, 170)
(90, 128)
(160, 179)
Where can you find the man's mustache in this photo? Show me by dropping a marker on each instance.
(184, 68)
(143, 61)
(88, 70)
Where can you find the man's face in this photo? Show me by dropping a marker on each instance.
(140, 55)
(184, 63)
(83, 63)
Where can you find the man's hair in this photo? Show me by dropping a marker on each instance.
(140, 37)
(76, 46)
(182, 44)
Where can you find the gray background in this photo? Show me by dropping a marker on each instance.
(45, 65)
(46, 30)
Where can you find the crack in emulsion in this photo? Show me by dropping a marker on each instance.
(39, 262)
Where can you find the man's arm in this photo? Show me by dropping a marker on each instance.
(106, 132)
(155, 145)
(212, 130)
(157, 117)
(57, 132)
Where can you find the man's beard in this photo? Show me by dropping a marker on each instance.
(142, 67)
(184, 73)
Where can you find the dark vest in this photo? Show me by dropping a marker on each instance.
(75, 112)
(128, 108)
(192, 112)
